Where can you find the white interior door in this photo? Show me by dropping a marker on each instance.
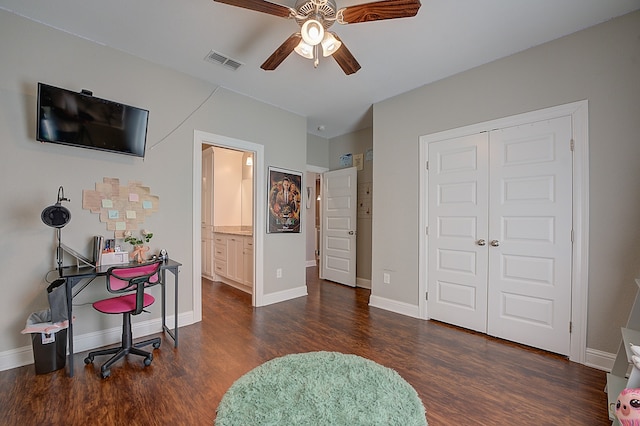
(338, 235)
(500, 223)
(458, 184)
(530, 234)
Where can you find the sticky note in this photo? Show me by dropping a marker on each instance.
(121, 226)
(133, 196)
(147, 204)
(114, 214)
(131, 214)
(107, 204)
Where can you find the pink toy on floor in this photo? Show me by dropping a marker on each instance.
(628, 407)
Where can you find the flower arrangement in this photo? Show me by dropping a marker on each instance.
(139, 249)
(129, 238)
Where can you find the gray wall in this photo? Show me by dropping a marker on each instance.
(601, 64)
(317, 151)
(32, 172)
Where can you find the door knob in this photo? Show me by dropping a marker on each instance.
(481, 242)
(495, 243)
(351, 233)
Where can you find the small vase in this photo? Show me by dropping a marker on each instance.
(138, 253)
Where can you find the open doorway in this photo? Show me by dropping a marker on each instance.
(258, 220)
(313, 221)
(227, 217)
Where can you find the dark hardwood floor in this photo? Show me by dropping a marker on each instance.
(463, 378)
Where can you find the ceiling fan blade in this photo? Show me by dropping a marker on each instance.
(378, 10)
(261, 6)
(345, 59)
(281, 52)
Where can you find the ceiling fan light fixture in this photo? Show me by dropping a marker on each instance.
(304, 50)
(312, 32)
(330, 44)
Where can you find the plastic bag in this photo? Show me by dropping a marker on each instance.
(57, 295)
(40, 322)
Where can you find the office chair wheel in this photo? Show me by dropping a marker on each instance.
(156, 345)
(105, 373)
(88, 360)
(147, 360)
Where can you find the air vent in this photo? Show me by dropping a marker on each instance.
(220, 59)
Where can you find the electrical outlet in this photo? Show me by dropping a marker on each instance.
(386, 278)
(279, 273)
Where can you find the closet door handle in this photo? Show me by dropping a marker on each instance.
(495, 243)
(481, 242)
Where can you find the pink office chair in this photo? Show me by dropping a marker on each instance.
(126, 279)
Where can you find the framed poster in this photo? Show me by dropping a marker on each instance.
(285, 200)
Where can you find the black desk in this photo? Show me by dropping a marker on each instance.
(74, 275)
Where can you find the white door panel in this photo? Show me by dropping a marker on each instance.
(530, 216)
(339, 204)
(458, 173)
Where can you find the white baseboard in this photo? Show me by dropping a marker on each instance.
(281, 296)
(364, 283)
(16, 358)
(600, 360)
(84, 342)
(395, 306)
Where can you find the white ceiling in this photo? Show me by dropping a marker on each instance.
(445, 38)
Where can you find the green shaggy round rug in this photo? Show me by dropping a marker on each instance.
(321, 388)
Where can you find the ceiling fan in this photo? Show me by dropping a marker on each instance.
(315, 17)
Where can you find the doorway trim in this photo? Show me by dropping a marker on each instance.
(203, 138)
(578, 111)
(318, 170)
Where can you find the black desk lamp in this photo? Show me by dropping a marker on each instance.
(57, 216)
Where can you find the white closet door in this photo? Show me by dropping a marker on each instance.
(500, 221)
(530, 222)
(457, 259)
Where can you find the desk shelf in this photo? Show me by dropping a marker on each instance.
(623, 373)
(630, 337)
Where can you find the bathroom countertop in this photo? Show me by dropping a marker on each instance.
(232, 230)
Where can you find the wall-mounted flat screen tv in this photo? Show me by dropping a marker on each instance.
(82, 120)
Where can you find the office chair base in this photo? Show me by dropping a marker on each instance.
(120, 352)
(128, 347)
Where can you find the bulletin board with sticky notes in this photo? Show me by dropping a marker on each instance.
(122, 208)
